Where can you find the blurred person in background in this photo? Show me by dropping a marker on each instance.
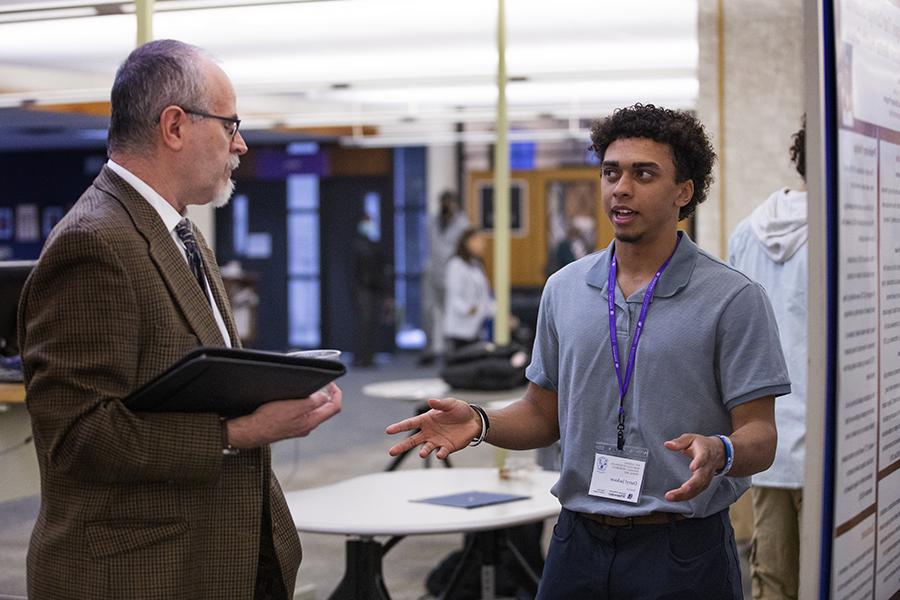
(443, 235)
(370, 289)
(570, 248)
(468, 303)
(770, 247)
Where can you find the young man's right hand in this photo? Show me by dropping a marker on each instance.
(449, 426)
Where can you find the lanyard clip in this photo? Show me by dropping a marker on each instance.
(620, 429)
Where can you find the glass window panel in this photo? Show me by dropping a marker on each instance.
(304, 316)
(303, 192)
(240, 223)
(303, 244)
(372, 206)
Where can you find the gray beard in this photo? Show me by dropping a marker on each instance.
(224, 194)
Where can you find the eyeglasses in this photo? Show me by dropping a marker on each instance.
(232, 130)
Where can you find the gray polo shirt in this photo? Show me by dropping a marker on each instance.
(709, 343)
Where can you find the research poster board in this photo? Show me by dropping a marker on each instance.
(865, 535)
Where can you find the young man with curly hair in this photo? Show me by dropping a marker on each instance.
(770, 246)
(663, 410)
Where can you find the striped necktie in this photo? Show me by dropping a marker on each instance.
(185, 232)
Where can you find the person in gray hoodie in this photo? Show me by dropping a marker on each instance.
(770, 247)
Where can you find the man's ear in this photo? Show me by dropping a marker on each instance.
(685, 193)
(172, 121)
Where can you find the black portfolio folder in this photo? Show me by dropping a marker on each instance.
(232, 382)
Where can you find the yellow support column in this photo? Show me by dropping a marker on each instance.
(501, 208)
(501, 190)
(144, 11)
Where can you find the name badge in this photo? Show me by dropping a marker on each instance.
(618, 474)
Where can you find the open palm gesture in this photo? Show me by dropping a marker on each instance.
(449, 426)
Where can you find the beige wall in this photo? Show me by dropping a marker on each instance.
(762, 104)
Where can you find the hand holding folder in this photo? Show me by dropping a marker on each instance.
(284, 419)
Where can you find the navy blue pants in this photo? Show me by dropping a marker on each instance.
(681, 560)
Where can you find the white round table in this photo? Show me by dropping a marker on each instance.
(423, 388)
(384, 504)
(412, 390)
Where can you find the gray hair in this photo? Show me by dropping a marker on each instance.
(156, 75)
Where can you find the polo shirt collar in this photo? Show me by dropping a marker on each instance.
(676, 276)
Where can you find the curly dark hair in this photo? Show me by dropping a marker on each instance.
(798, 150)
(692, 153)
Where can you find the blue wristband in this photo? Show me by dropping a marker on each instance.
(729, 455)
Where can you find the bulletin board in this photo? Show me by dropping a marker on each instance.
(861, 522)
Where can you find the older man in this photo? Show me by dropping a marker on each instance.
(150, 505)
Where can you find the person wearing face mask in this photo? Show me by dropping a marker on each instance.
(149, 505)
(369, 289)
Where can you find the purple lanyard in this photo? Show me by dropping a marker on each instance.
(614, 340)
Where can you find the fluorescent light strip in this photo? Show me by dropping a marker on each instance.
(468, 137)
(25, 99)
(172, 5)
(129, 7)
(445, 116)
(48, 15)
(39, 6)
(287, 86)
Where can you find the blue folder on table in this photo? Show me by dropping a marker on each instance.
(473, 499)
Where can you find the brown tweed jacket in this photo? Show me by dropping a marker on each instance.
(133, 505)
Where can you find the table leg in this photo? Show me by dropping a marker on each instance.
(490, 556)
(482, 549)
(464, 561)
(529, 572)
(363, 579)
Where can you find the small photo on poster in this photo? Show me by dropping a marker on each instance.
(6, 223)
(52, 216)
